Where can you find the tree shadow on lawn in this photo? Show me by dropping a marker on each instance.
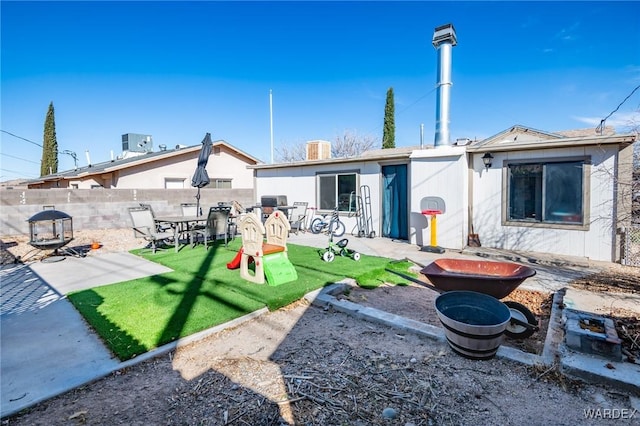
(87, 302)
(139, 311)
(201, 292)
(312, 272)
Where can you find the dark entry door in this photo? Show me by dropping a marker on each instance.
(395, 215)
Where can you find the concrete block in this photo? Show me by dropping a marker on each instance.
(592, 334)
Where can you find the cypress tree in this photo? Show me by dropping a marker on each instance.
(389, 129)
(49, 162)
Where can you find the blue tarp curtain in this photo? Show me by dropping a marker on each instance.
(394, 202)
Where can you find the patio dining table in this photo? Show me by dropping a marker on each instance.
(180, 223)
(286, 209)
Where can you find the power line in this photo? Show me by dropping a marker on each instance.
(16, 172)
(418, 100)
(20, 137)
(18, 158)
(66, 151)
(600, 127)
(379, 127)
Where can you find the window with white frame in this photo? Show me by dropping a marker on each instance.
(334, 189)
(174, 183)
(550, 192)
(221, 183)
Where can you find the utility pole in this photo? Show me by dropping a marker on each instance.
(271, 121)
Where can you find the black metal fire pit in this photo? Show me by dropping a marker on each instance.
(51, 230)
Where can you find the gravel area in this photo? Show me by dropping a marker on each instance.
(110, 240)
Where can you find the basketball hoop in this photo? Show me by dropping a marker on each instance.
(433, 247)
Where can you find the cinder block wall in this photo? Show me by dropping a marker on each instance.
(104, 208)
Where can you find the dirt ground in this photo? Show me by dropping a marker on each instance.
(313, 366)
(309, 365)
(417, 303)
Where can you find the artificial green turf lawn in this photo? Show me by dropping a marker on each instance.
(136, 316)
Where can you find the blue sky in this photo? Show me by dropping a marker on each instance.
(177, 70)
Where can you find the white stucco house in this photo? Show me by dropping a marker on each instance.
(166, 168)
(557, 193)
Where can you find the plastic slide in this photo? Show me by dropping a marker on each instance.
(278, 269)
(235, 263)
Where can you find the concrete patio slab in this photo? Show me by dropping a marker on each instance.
(73, 274)
(46, 346)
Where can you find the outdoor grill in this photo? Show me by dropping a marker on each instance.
(50, 230)
(269, 202)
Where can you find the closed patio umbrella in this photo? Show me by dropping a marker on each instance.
(200, 177)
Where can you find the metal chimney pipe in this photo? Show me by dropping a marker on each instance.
(444, 38)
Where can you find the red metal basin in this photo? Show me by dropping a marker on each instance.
(497, 279)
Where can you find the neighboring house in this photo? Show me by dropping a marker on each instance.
(544, 192)
(14, 184)
(171, 169)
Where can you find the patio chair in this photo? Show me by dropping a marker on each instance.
(189, 209)
(144, 226)
(237, 214)
(217, 226)
(239, 209)
(298, 216)
(160, 227)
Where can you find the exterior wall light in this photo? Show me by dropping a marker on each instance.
(486, 159)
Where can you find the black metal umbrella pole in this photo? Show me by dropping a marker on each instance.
(201, 177)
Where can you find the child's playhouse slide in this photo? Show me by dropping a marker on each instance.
(277, 267)
(235, 263)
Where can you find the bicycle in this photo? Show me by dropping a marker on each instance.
(334, 226)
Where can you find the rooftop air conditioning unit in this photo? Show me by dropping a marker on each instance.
(318, 150)
(136, 142)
